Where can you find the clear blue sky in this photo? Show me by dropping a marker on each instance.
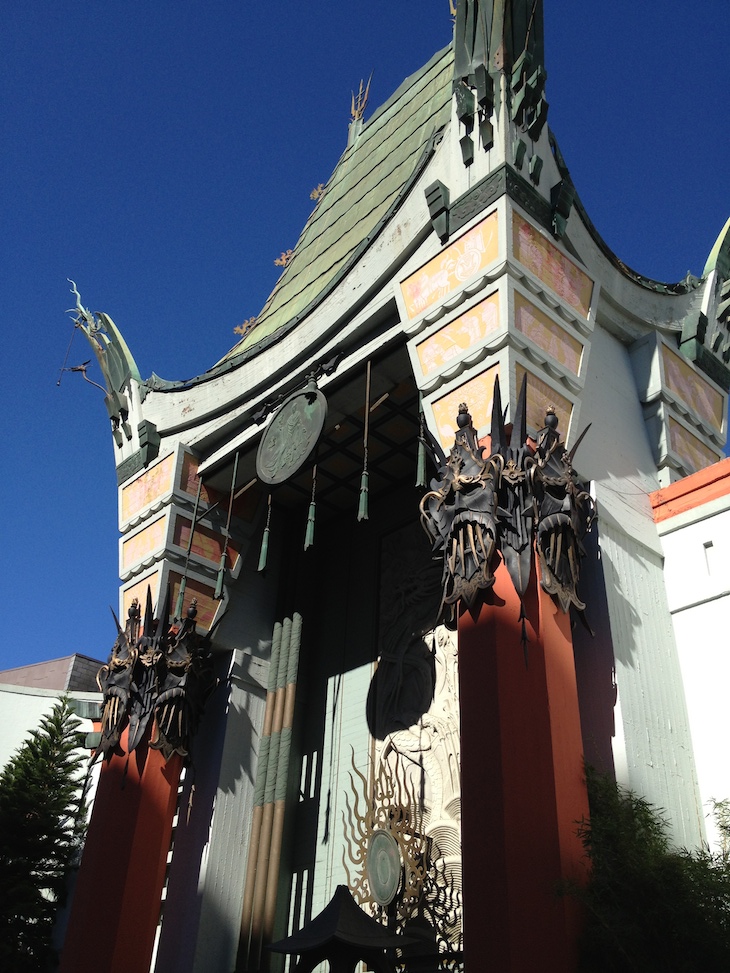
(161, 153)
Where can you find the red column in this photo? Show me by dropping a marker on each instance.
(523, 788)
(116, 903)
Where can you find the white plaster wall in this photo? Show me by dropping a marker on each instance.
(20, 714)
(704, 656)
(346, 731)
(21, 710)
(697, 556)
(697, 574)
(655, 741)
(652, 743)
(223, 867)
(615, 453)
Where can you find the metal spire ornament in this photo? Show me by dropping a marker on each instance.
(165, 673)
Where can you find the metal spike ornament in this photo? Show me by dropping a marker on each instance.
(166, 674)
(565, 514)
(516, 499)
(458, 513)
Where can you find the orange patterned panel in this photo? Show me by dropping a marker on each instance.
(682, 379)
(461, 333)
(539, 396)
(141, 545)
(189, 480)
(143, 491)
(452, 267)
(207, 543)
(477, 393)
(139, 591)
(561, 275)
(547, 334)
(207, 605)
(693, 453)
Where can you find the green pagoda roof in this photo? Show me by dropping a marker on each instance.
(363, 192)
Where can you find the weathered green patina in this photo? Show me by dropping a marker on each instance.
(361, 194)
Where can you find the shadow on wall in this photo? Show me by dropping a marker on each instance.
(402, 687)
(594, 661)
(181, 918)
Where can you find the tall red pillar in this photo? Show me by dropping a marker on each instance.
(523, 787)
(116, 904)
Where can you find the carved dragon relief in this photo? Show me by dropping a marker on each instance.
(116, 363)
(521, 496)
(164, 672)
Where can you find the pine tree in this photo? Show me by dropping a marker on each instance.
(42, 821)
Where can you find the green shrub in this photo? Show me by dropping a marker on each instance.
(648, 906)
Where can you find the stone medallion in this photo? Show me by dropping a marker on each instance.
(383, 866)
(291, 436)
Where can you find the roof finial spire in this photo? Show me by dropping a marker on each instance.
(496, 33)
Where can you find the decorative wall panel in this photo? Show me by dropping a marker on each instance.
(692, 452)
(454, 266)
(687, 384)
(459, 335)
(547, 334)
(207, 543)
(478, 392)
(150, 486)
(144, 543)
(540, 398)
(533, 249)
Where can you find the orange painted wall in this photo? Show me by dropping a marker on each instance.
(523, 787)
(116, 902)
(692, 491)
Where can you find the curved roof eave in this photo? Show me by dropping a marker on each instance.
(689, 283)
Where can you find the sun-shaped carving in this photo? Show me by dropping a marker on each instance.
(392, 810)
(394, 869)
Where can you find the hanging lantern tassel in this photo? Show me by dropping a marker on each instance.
(226, 534)
(421, 463)
(362, 510)
(309, 535)
(221, 575)
(265, 541)
(181, 597)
